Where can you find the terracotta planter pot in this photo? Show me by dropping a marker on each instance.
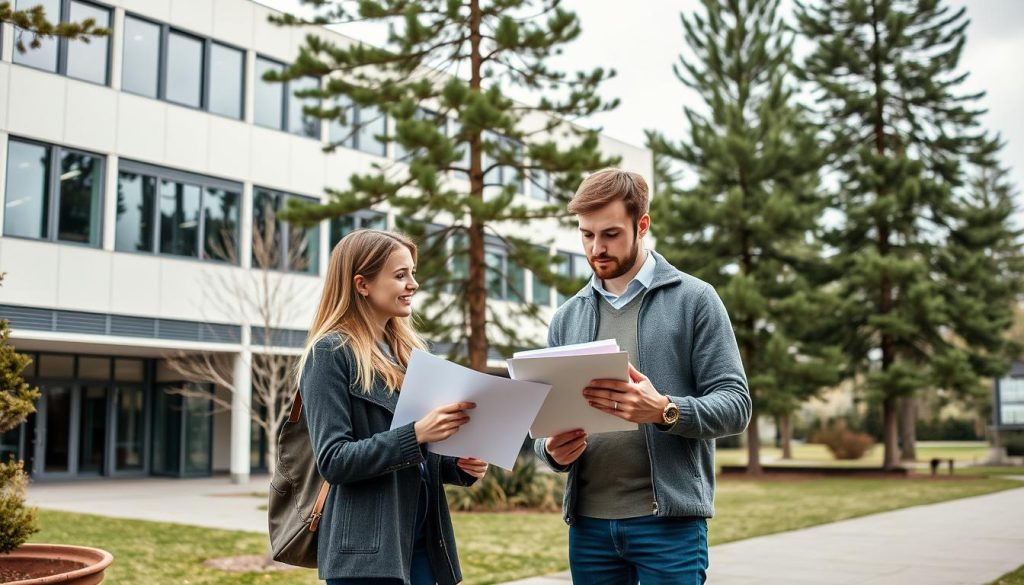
(41, 564)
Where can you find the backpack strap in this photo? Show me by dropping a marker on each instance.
(318, 507)
(296, 408)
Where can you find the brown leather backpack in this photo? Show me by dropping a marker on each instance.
(297, 494)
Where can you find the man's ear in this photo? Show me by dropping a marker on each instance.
(643, 226)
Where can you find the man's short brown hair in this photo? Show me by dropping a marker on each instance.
(610, 185)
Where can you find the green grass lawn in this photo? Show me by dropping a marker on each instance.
(1013, 578)
(499, 547)
(964, 453)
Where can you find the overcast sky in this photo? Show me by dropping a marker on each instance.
(642, 42)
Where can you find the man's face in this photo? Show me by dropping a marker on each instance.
(610, 241)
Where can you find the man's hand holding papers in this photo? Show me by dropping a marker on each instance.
(636, 400)
(569, 369)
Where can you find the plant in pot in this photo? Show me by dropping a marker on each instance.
(20, 563)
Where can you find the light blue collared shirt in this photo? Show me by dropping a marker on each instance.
(640, 283)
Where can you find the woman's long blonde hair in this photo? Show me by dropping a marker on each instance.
(342, 310)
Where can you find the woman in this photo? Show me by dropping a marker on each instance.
(386, 519)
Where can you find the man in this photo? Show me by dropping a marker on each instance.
(637, 502)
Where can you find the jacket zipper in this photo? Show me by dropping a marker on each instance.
(440, 530)
(647, 436)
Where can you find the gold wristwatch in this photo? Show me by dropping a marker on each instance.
(671, 413)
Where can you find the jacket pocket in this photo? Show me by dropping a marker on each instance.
(361, 519)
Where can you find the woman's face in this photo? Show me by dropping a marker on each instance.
(390, 293)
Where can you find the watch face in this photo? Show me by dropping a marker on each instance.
(671, 414)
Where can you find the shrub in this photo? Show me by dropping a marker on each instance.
(523, 488)
(1014, 445)
(17, 523)
(842, 442)
(947, 429)
(17, 401)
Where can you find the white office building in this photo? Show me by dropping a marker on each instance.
(118, 160)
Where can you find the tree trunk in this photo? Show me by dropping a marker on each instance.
(787, 432)
(908, 428)
(890, 428)
(753, 446)
(477, 287)
(271, 455)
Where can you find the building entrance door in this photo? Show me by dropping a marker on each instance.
(55, 427)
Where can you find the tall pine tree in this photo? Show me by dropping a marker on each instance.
(463, 147)
(901, 131)
(983, 266)
(746, 226)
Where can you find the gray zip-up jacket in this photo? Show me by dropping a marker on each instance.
(686, 346)
(368, 523)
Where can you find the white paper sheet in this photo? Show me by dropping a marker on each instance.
(602, 346)
(497, 426)
(565, 408)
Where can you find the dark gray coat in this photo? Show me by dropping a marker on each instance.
(686, 346)
(369, 519)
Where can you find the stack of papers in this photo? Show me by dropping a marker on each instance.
(568, 370)
(504, 408)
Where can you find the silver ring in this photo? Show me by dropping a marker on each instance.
(615, 405)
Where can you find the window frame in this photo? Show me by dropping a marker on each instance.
(204, 73)
(203, 182)
(494, 245)
(570, 272)
(355, 127)
(360, 218)
(53, 192)
(62, 44)
(204, 60)
(284, 232)
(285, 103)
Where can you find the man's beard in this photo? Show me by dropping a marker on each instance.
(618, 266)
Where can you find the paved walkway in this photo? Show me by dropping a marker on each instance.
(211, 502)
(971, 541)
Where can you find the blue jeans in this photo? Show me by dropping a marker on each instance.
(648, 550)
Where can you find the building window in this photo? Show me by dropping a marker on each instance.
(541, 294)
(343, 226)
(140, 72)
(421, 114)
(276, 105)
(497, 177)
(298, 122)
(540, 185)
(88, 61)
(364, 129)
(182, 68)
(227, 80)
(462, 144)
(179, 218)
(175, 213)
(572, 266)
(505, 278)
(136, 195)
(53, 193)
(269, 96)
(277, 244)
